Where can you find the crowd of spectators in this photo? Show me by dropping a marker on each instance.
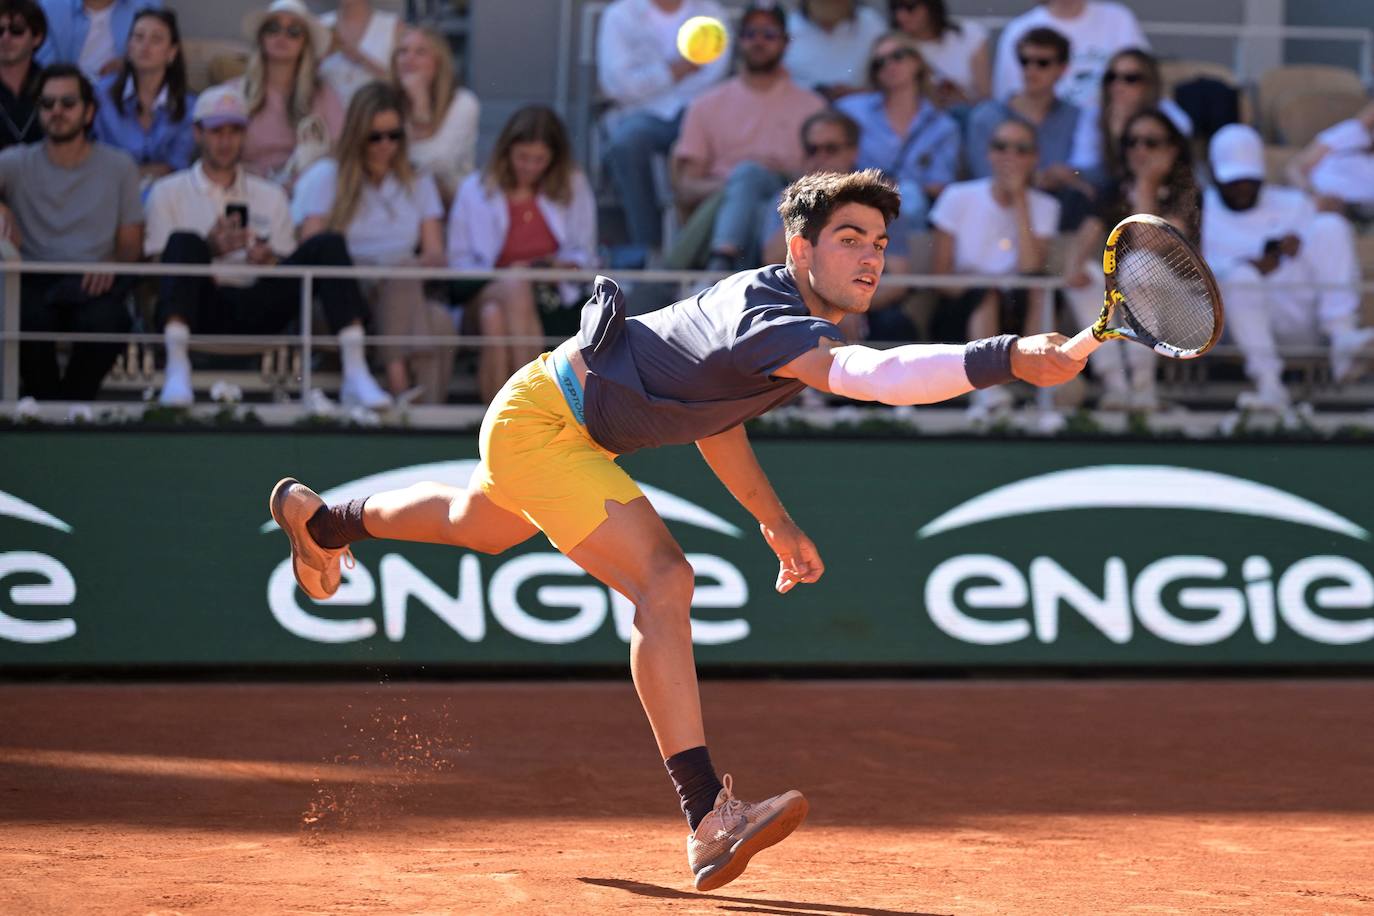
(349, 139)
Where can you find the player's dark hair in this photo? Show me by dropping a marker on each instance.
(1045, 37)
(808, 202)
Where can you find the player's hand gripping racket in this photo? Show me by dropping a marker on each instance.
(1160, 293)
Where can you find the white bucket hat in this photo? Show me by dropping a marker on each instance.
(320, 36)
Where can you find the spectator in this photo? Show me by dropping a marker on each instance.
(1268, 246)
(1044, 57)
(293, 116)
(216, 212)
(650, 85)
(145, 108)
(739, 147)
(1157, 177)
(89, 33)
(922, 155)
(70, 199)
(829, 44)
(956, 50)
(441, 116)
(23, 28)
(389, 215)
(364, 40)
(994, 225)
(1130, 85)
(531, 207)
(1338, 167)
(1096, 29)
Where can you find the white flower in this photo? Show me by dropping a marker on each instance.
(80, 413)
(225, 392)
(26, 409)
(364, 416)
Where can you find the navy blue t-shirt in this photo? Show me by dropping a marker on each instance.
(697, 367)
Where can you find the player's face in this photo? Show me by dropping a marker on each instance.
(844, 265)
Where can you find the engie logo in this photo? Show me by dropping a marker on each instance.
(583, 602)
(1185, 599)
(57, 588)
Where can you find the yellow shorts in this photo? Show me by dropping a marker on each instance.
(539, 462)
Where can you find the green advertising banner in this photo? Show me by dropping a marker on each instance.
(155, 549)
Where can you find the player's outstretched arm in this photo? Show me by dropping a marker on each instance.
(732, 459)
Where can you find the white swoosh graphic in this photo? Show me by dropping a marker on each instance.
(458, 473)
(1140, 486)
(15, 507)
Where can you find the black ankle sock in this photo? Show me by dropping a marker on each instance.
(333, 527)
(696, 782)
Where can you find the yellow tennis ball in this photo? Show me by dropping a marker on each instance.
(702, 39)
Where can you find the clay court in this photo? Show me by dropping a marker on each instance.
(1027, 797)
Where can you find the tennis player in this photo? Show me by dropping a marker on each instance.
(692, 372)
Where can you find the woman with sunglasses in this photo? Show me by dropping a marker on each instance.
(1130, 84)
(956, 50)
(902, 132)
(389, 214)
(441, 116)
(1155, 163)
(293, 115)
(364, 39)
(145, 108)
(530, 207)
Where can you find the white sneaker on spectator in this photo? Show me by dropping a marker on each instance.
(1348, 351)
(360, 389)
(176, 389)
(1268, 398)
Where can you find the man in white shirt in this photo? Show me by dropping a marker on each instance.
(1268, 246)
(1338, 166)
(640, 70)
(215, 212)
(829, 45)
(1096, 29)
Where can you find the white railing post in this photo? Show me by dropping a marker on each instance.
(307, 307)
(9, 352)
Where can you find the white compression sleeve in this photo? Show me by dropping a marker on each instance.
(910, 374)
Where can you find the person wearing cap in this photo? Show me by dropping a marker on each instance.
(217, 212)
(70, 199)
(23, 29)
(287, 101)
(828, 45)
(89, 33)
(1268, 247)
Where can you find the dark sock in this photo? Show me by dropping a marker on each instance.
(333, 527)
(696, 782)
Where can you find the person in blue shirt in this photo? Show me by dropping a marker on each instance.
(89, 33)
(145, 109)
(901, 132)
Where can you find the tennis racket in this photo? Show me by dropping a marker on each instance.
(1160, 293)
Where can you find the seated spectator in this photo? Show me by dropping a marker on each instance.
(364, 40)
(70, 199)
(89, 33)
(1157, 177)
(530, 207)
(1268, 246)
(1044, 57)
(441, 116)
(1096, 29)
(145, 109)
(956, 50)
(1338, 167)
(215, 212)
(994, 225)
(649, 84)
(293, 116)
(829, 44)
(23, 28)
(901, 131)
(739, 148)
(1130, 85)
(388, 214)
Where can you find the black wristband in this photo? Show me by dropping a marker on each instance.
(987, 362)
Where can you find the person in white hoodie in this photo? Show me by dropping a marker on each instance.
(1269, 247)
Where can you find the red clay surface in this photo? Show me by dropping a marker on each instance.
(927, 797)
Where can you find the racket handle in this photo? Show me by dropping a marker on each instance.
(1082, 344)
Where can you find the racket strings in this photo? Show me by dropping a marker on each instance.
(1165, 295)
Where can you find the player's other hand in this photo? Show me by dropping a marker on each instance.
(798, 559)
(1041, 360)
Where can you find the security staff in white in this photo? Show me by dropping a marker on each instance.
(1268, 247)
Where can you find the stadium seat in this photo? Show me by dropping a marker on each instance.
(1175, 73)
(213, 61)
(1301, 115)
(1276, 159)
(1317, 79)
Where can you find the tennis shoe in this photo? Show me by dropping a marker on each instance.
(735, 831)
(1349, 351)
(317, 568)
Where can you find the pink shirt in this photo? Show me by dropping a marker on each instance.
(732, 123)
(271, 138)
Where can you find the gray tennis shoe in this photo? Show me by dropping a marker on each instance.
(735, 831)
(317, 568)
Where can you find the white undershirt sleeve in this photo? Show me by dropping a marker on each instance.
(910, 374)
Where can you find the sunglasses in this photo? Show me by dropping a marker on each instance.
(15, 29)
(1150, 143)
(827, 149)
(1006, 146)
(899, 54)
(763, 33)
(377, 136)
(1129, 79)
(1042, 63)
(292, 30)
(49, 102)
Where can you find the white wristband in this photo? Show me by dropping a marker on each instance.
(910, 374)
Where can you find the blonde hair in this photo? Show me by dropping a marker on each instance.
(534, 124)
(303, 91)
(909, 43)
(351, 151)
(445, 85)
